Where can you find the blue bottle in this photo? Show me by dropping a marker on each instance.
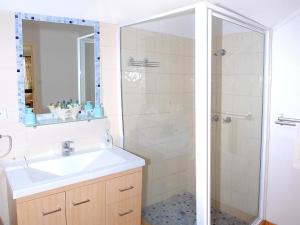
(98, 111)
(88, 108)
(29, 117)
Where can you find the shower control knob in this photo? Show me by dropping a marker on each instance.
(227, 119)
(215, 118)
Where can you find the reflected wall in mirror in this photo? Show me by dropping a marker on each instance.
(58, 60)
(55, 66)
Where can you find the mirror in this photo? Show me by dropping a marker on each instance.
(58, 64)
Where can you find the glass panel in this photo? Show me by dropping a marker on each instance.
(237, 88)
(158, 114)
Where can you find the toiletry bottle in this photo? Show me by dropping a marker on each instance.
(88, 108)
(98, 111)
(29, 117)
(108, 139)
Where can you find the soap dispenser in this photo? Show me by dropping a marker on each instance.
(108, 139)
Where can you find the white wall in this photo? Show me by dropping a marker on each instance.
(284, 180)
(30, 141)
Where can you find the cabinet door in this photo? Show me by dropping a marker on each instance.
(122, 188)
(86, 205)
(48, 210)
(127, 212)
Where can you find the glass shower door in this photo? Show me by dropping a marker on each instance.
(237, 99)
(159, 114)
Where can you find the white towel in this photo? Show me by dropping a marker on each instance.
(296, 161)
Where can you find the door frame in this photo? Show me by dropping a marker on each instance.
(81, 41)
(204, 11)
(243, 21)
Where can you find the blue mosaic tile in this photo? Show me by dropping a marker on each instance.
(19, 17)
(181, 210)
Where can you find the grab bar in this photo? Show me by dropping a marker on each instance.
(238, 115)
(248, 116)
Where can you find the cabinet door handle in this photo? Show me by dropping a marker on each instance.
(126, 189)
(79, 203)
(126, 213)
(50, 212)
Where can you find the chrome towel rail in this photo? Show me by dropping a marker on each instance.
(281, 120)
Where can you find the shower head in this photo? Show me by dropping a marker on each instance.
(220, 52)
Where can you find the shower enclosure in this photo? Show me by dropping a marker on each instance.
(195, 103)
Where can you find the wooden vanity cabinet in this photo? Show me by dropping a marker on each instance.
(110, 200)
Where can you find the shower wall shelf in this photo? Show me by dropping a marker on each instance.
(287, 121)
(143, 63)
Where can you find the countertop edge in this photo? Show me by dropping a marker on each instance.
(20, 193)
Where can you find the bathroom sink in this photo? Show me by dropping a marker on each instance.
(73, 164)
(43, 173)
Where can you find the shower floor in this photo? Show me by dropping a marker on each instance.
(181, 210)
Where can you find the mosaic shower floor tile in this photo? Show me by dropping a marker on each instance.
(181, 210)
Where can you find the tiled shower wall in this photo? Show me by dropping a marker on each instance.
(237, 87)
(158, 108)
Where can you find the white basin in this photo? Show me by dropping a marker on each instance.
(78, 163)
(49, 172)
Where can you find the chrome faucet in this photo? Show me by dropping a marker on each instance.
(66, 148)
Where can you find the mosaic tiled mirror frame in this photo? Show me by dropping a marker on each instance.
(19, 17)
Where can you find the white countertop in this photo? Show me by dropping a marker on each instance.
(24, 180)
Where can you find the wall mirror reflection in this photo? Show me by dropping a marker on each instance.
(51, 53)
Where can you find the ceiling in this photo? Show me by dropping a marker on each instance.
(267, 12)
(179, 24)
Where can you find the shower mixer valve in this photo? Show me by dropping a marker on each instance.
(215, 118)
(227, 119)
